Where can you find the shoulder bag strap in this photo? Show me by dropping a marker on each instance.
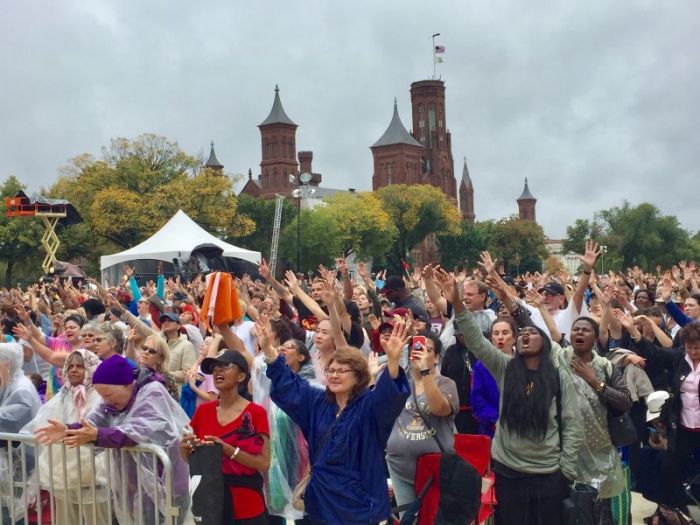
(324, 439)
(425, 420)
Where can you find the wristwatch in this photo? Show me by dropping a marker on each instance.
(600, 387)
(426, 372)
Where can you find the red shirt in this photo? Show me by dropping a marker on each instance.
(252, 423)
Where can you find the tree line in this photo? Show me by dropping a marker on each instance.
(138, 184)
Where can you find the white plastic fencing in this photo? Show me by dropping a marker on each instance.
(90, 486)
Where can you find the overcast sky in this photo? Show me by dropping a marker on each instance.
(594, 102)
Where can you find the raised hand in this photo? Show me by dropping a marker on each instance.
(329, 293)
(625, 319)
(487, 263)
(428, 272)
(341, 266)
(396, 342)
(448, 285)
(374, 322)
(535, 298)
(374, 365)
(264, 269)
(292, 282)
(666, 288)
(590, 255)
(416, 276)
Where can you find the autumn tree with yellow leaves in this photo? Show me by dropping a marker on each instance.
(135, 188)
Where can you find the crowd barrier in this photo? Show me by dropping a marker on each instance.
(87, 485)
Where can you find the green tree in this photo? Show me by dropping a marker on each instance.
(642, 236)
(135, 188)
(262, 213)
(362, 225)
(634, 235)
(416, 211)
(521, 244)
(320, 241)
(19, 236)
(464, 249)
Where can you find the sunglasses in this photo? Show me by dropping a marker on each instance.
(149, 350)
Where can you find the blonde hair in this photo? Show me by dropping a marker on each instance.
(164, 350)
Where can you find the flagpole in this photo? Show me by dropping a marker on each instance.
(436, 34)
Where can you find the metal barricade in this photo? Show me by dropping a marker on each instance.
(85, 485)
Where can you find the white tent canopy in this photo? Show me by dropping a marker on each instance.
(176, 240)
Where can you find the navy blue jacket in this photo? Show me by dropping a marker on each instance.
(348, 480)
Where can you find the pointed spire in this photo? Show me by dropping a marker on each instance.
(526, 193)
(396, 133)
(466, 179)
(250, 174)
(277, 114)
(213, 162)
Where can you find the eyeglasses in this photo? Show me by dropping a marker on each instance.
(337, 371)
(87, 336)
(98, 339)
(149, 350)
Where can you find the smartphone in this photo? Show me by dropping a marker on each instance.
(418, 342)
(417, 345)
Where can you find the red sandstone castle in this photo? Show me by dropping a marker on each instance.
(422, 156)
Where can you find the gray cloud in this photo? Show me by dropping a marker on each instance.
(593, 102)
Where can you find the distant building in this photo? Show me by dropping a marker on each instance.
(526, 205)
(569, 260)
(466, 195)
(280, 164)
(423, 156)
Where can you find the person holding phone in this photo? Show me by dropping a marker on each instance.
(434, 402)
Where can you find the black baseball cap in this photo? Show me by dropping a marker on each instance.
(225, 357)
(552, 288)
(393, 282)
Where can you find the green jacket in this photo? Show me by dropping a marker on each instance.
(520, 453)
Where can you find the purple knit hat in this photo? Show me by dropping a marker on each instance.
(114, 371)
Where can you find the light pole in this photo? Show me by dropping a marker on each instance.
(603, 251)
(300, 191)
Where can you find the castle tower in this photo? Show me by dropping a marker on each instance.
(430, 129)
(526, 204)
(397, 156)
(278, 137)
(213, 162)
(466, 195)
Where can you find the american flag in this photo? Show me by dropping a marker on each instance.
(439, 49)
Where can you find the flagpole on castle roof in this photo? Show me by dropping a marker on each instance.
(436, 34)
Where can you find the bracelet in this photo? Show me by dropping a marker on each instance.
(235, 453)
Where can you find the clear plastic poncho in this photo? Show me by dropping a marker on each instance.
(69, 405)
(289, 456)
(598, 461)
(19, 403)
(153, 418)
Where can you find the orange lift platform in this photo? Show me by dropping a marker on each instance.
(50, 212)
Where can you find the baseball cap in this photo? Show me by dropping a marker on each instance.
(655, 402)
(169, 316)
(225, 357)
(552, 288)
(393, 282)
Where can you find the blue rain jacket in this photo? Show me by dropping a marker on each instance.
(348, 481)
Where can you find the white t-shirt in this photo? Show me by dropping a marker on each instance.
(244, 331)
(564, 319)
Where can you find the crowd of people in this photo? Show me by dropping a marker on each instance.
(319, 395)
